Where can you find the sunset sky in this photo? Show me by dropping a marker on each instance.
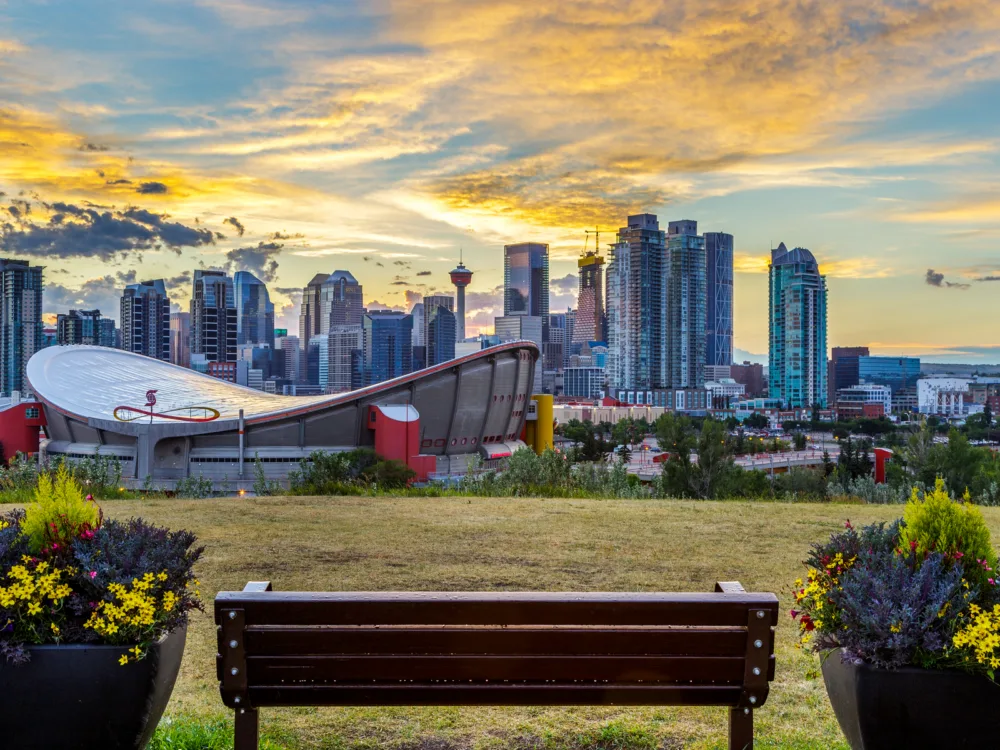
(147, 139)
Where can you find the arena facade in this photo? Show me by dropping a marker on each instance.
(166, 423)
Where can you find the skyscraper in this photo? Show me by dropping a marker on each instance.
(289, 358)
(636, 325)
(388, 345)
(461, 277)
(341, 301)
(843, 369)
(81, 327)
(417, 311)
(145, 319)
(797, 328)
(254, 310)
(589, 324)
(345, 353)
(719, 298)
(526, 280)
(439, 329)
(180, 339)
(20, 321)
(684, 309)
(309, 315)
(213, 317)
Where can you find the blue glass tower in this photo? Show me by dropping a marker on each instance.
(254, 310)
(797, 329)
(719, 299)
(388, 347)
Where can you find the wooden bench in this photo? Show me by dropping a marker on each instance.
(495, 649)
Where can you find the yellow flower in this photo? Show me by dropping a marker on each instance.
(55, 628)
(123, 660)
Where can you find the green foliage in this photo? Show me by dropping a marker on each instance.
(58, 513)
(757, 421)
(196, 488)
(354, 472)
(190, 733)
(799, 441)
(262, 486)
(939, 524)
(855, 460)
(389, 474)
(801, 484)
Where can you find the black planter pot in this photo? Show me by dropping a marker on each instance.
(78, 697)
(915, 709)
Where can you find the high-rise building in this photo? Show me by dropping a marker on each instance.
(345, 358)
(719, 299)
(180, 339)
(309, 315)
(554, 350)
(899, 374)
(388, 345)
(589, 324)
(145, 319)
(108, 334)
(417, 312)
(572, 348)
(636, 325)
(526, 281)
(288, 358)
(684, 291)
(254, 310)
(461, 277)
(341, 301)
(843, 370)
(797, 329)
(82, 327)
(439, 329)
(523, 328)
(213, 317)
(20, 321)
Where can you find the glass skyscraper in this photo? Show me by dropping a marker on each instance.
(439, 319)
(254, 310)
(589, 323)
(20, 321)
(341, 301)
(213, 316)
(684, 292)
(636, 324)
(719, 298)
(526, 279)
(797, 329)
(388, 345)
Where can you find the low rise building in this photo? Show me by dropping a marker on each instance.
(864, 401)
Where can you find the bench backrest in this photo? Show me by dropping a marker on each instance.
(420, 648)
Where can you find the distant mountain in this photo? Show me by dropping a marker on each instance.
(742, 355)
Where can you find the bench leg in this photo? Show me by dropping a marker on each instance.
(246, 729)
(740, 729)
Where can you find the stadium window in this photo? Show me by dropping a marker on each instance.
(31, 413)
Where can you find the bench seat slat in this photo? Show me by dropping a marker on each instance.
(494, 695)
(378, 669)
(279, 641)
(505, 608)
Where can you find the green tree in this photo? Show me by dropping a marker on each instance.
(799, 440)
(757, 421)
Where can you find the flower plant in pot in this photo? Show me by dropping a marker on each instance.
(93, 618)
(906, 619)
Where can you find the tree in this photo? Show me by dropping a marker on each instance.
(711, 474)
(715, 462)
(757, 421)
(799, 440)
(988, 414)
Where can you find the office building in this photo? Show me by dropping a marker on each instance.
(341, 301)
(719, 299)
(723, 393)
(388, 345)
(864, 401)
(180, 338)
(685, 303)
(310, 318)
(417, 313)
(461, 277)
(522, 328)
(439, 320)
(635, 301)
(20, 322)
(144, 312)
(899, 374)
(572, 347)
(526, 281)
(288, 358)
(213, 317)
(554, 351)
(254, 311)
(842, 370)
(583, 382)
(84, 327)
(797, 329)
(589, 323)
(751, 376)
(341, 369)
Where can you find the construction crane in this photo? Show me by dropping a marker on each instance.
(596, 231)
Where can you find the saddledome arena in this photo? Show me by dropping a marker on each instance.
(96, 402)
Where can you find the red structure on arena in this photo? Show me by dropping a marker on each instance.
(397, 437)
(20, 428)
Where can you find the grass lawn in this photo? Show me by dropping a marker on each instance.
(502, 544)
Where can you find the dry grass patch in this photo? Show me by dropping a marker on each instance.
(451, 544)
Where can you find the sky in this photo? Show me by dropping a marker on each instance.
(386, 137)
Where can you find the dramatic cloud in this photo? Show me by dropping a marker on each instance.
(425, 273)
(102, 293)
(261, 261)
(74, 231)
(934, 278)
(235, 224)
(152, 188)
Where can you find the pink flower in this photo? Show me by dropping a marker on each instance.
(90, 497)
(990, 580)
(959, 555)
(93, 574)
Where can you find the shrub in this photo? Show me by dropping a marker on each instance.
(957, 530)
(195, 488)
(59, 513)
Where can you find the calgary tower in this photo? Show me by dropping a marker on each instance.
(461, 277)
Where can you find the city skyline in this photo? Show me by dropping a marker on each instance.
(290, 140)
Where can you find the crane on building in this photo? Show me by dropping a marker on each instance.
(596, 231)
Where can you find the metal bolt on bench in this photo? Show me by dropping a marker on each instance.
(495, 649)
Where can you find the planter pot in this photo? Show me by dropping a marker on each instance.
(78, 697)
(912, 708)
